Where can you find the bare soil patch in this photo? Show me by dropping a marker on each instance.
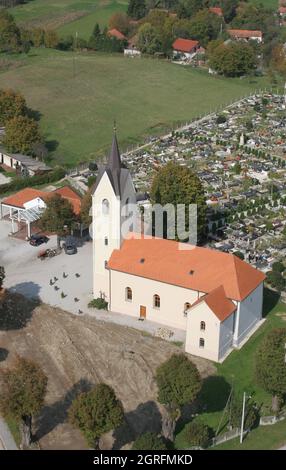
(76, 352)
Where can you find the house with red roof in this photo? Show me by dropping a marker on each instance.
(213, 298)
(246, 35)
(216, 11)
(116, 34)
(185, 48)
(26, 206)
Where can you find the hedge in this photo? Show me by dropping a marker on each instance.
(30, 181)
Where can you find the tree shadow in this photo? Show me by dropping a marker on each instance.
(214, 394)
(145, 418)
(51, 145)
(57, 413)
(17, 306)
(270, 300)
(3, 354)
(34, 114)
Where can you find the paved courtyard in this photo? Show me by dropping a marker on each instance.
(71, 277)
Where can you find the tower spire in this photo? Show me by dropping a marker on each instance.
(114, 161)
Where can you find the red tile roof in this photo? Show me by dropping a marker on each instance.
(196, 268)
(219, 304)
(116, 34)
(244, 33)
(185, 45)
(216, 11)
(28, 194)
(24, 196)
(68, 193)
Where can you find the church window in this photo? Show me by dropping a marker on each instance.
(106, 241)
(202, 343)
(203, 326)
(128, 294)
(105, 207)
(187, 306)
(105, 264)
(156, 301)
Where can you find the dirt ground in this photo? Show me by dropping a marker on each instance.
(78, 351)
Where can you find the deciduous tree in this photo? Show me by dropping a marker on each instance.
(96, 412)
(270, 365)
(21, 133)
(12, 104)
(179, 383)
(23, 391)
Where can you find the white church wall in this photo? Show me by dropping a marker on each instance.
(211, 334)
(173, 299)
(249, 314)
(226, 335)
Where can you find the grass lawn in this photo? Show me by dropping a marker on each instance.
(262, 438)
(238, 369)
(273, 4)
(67, 16)
(145, 96)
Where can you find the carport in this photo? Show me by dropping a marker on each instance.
(18, 215)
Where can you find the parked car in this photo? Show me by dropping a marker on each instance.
(70, 246)
(36, 240)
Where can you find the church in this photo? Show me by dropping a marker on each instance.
(214, 297)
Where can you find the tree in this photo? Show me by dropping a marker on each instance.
(232, 60)
(23, 390)
(12, 104)
(57, 215)
(86, 207)
(148, 40)
(278, 267)
(270, 365)
(276, 280)
(179, 383)
(197, 434)
(278, 59)
(188, 8)
(119, 21)
(10, 37)
(229, 9)
(96, 412)
(2, 276)
(21, 133)
(136, 9)
(205, 27)
(175, 184)
(149, 441)
(51, 38)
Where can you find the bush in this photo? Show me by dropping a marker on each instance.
(197, 434)
(221, 119)
(93, 166)
(98, 303)
(278, 267)
(21, 183)
(149, 441)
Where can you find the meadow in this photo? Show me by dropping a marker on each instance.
(79, 95)
(67, 16)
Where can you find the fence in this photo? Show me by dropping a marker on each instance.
(270, 420)
(227, 436)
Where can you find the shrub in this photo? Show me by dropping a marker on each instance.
(197, 434)
(221, 119)
(149, 441)
(98, 303)
(21, 183)
(278, 267)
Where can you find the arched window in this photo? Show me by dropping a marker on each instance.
(202, 343)
(156, 301)
(203, 326)
(128, 294)
(187, 306)
(105, 207)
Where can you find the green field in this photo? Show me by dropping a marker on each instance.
(67, 16)
(266, 3)
(79, 103)
(239, 370)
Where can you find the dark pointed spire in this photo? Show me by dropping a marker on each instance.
(114, 162)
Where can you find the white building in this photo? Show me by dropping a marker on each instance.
(214, 297)
(245, 35)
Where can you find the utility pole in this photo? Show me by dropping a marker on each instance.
(242, 417)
